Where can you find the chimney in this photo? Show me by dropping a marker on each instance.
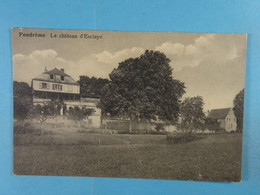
(208, 111)
(62, 69)
(45, 70)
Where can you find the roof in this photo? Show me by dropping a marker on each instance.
(219, 113)
(56, 71)
(45, 76)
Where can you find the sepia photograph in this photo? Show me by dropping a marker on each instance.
(152, 105)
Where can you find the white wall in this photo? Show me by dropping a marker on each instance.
(95, 119)
(66, 88)
(230, 122)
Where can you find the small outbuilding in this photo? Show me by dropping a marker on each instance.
(226, 118)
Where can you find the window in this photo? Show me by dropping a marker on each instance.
(51, 76)
(57, 87)
(62, 78)
(43, 85)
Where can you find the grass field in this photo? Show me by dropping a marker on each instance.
(215, 158)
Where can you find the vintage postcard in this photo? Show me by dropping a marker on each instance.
(157, 105)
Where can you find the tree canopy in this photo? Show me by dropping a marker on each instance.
(192, 115)
(77, 114)
(91, 87)
(22, 97)
(41, 113)
(239, 109)
(143, 88)
(21, 89)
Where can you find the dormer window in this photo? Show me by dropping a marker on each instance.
(62, 78)
(51, 76)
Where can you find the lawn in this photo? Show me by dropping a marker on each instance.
(215, 158)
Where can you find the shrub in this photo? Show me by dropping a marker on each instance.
(183, 137)
(158, 132)
(212, 124)
(23, 128)
(124, 132)
(159, 126)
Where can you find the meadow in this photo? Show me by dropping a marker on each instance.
(214, 158)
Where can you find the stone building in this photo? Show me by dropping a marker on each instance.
(225, 117)
(56, 84)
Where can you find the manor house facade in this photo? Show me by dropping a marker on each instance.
(56, 84)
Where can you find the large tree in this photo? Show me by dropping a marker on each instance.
(77, 114)
(55, 107)
(239, 109)
(91, 87)
(143, 88)
(40, 113)
(192, 115)
(22, 99)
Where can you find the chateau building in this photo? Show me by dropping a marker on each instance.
(56, 84)
(225, 117)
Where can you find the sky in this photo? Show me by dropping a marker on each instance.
(211, 65)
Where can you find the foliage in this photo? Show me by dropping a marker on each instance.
(192, 115)
(77, 114)
(143, 89)
(22, 97)
(91, 87)
(21, 89)
(23, 128)
(159, 126)
(22, 106)
(55, 107)
(238, 108)
(184, 137)
(41, 113)
(212, 124)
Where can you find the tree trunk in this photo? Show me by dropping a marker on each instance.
(23, 127)
(55, 123)
(41, 129)
(148, 127)
(130, 126)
